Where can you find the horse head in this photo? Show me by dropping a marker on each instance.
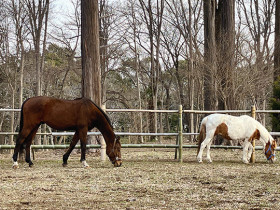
(115, 153)
(270, 149)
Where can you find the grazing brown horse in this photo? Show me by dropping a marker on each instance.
(80, 115)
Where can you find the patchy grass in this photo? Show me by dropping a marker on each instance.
(148, 179)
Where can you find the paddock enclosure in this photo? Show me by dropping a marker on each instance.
(148, 179)
(178, 143)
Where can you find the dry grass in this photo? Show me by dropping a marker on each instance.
(148, 179)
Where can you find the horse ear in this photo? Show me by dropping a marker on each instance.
(117, 138)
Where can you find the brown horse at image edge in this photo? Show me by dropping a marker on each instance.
(80, 115)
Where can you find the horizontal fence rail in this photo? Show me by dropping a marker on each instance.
(172, 111)
(98, 134)
(118, 133)
(97, 146)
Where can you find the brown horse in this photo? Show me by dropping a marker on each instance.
(80, 115)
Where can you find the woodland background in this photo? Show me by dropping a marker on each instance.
(205, 55)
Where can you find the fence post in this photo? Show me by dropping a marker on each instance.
(180, 133)
(102, 141)
(253, 114)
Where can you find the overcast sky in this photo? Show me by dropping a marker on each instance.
(61, 8)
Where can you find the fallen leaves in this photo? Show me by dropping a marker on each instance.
(148, 180)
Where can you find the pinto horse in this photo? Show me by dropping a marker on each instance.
(235, 128)
(80, 115)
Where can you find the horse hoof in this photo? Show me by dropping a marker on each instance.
(15, 166)
(64, 164)
(85, 165)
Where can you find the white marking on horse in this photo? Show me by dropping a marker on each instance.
(234, 128)
(15, 165)
(84, 163)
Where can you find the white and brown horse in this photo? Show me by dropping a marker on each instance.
(235, 128)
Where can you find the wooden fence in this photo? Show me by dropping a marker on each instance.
(178, 146)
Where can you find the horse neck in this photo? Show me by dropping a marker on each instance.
(108, 133)
(264, 134)
(103, 125)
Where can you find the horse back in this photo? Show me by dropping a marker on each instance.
(232, 127)
(57, 113)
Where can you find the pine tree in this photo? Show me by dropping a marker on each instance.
(275, 105)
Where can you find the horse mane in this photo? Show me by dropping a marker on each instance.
(264, 132)
(101, 110)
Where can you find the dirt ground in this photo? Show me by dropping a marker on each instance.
(148, 179)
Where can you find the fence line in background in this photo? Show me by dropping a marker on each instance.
(98, 134)
(172, 111)
(97, 146)
(179, 145)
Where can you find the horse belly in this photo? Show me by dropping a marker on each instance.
(60, 126)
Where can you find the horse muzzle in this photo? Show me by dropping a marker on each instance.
(117, 163)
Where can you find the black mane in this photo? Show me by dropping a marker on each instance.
(101, 110)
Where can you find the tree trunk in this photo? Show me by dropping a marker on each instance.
(191, 77)
(2, 137)
(104, 23)
(91, 74)
(210, 87)
(138, 88)
(277, 42)
(225, 42)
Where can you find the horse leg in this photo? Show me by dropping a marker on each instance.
(28, 145)
(73, 143)
(83, 140)
(206, 141)
(20, 140)
(250, 151)
(208, 158)
(245, 151)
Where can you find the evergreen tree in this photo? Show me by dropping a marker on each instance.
(275, 105)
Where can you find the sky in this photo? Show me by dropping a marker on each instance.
(61, 8)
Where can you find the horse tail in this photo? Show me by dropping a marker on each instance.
(202, 135)
(21, 116)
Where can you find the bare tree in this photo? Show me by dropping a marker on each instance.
(153, 21)
(19, 18)
(68, 34)
(256, 19)
(134, 47)
(37, 14)
(277, 42)
(7, 70)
